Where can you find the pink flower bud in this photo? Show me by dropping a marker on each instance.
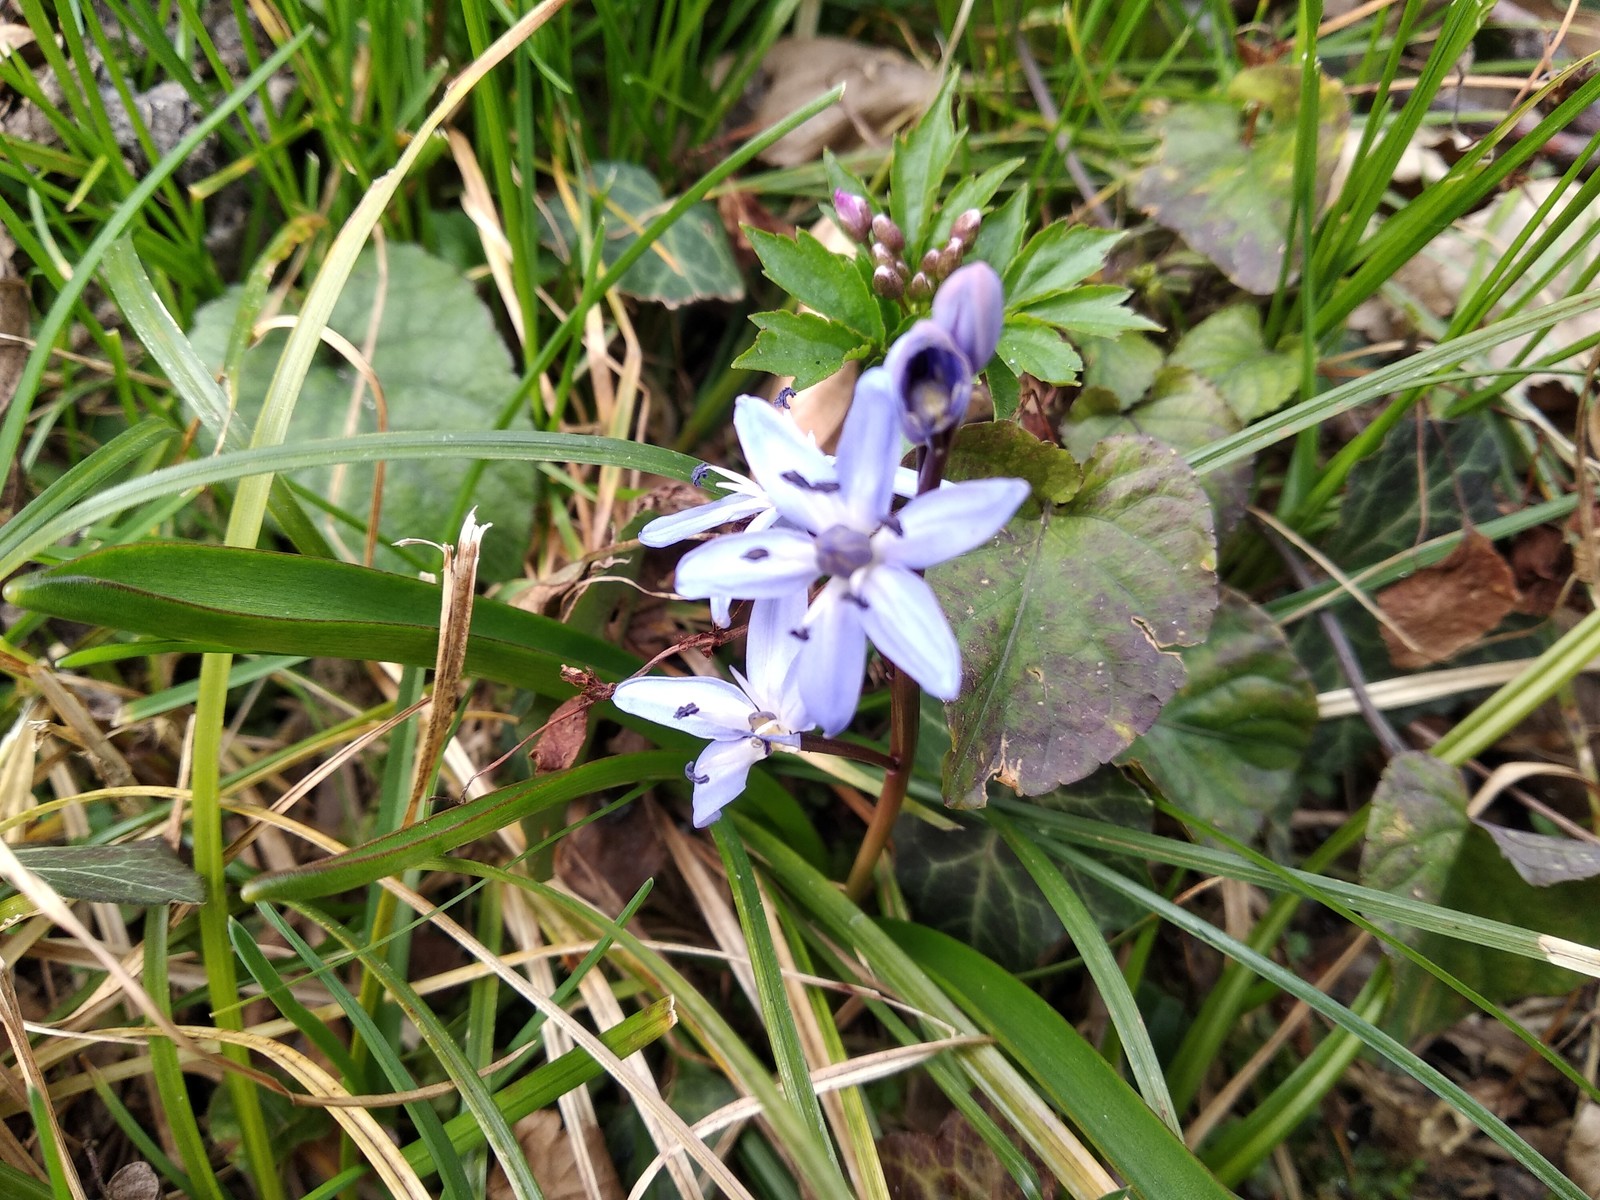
(887, 283)
(887, 232)
(855, 215)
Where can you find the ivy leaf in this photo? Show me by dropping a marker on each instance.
(442, 364)
(819, 278)
(809, 347)
(1228, 745)
(1066, 617)
(967, 883)
(145, 872)
(691, 261)
(1028, 344)
(1224, 184)
(1229, 350)
(921, 159)
(1059, 257)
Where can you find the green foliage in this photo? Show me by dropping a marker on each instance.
(135, 873)
(1229, 351)
(1223, 183)
(819, 278)
(1059, 680)
(441, 364)
(809, 347)
(1228, 745)
(690, 261)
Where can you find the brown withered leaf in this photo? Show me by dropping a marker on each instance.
(548, 1146)
(561, 742)
(883, 91)
(1541, 562)
(136, 1181)
(608, 860)
(13, 323)
(1447, 607)
(953, 1164)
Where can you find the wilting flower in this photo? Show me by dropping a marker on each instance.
(746, 721)
(839, 523)
(934, 364)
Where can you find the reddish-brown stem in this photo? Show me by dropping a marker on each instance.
(904, 701)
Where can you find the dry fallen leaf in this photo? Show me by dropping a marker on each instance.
(136, 1181)
(883, 91)
(1447, 607)
(550, 1155)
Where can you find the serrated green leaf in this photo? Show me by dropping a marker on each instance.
(917, 172)
(1005, 389)
(691, 261)
(1028, 344)
(1228, 745)
(257, 601)
(1057, 678)
(133, 873)
(819, 278)
(1228, 193)
(1228, 349)
(966, 883)
(974, 192)
(809, 347)
(442, 365)
(1057, 258)
(1091, 310)
(1000, 236)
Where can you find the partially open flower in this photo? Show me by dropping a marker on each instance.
(933, 366)
(971, 307)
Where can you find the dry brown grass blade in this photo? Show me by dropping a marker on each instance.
(645, 1100)
(106, 759)
(866, 1068)
(458, 581)
(32, 1077)
(477, 202)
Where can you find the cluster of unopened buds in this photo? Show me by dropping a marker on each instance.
(855, 518)
(892, 276)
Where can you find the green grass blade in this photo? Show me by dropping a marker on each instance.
(1144, 1150)
(1373, 1037)
(793, 1070)
(16, 418)
(1102, 967)
(405, 848)
(496, 445)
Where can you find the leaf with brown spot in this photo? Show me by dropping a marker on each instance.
(1447, 607)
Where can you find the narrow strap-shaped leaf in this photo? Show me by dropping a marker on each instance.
(1071, 1072)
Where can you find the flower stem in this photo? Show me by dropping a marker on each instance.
(815, 743)
(905, 699)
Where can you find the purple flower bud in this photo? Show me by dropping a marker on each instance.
(970, 307)
(920, 287)
(930, 263)
(932, 380)
(887, 232)
(950, 257)
(855, 215)
(883, 256)
(887, 283)
(965, 227)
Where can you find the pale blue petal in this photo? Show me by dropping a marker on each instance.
(904, 621)
(797, 477)
(970, 307)
(673, 528)
(833, 658)
(749, 566)
(721, 611)
(771, 646)
(719, 776)
(949, 522)
(696, 704)
(869, 450)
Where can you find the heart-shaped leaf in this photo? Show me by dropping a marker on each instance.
(1066, 618)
